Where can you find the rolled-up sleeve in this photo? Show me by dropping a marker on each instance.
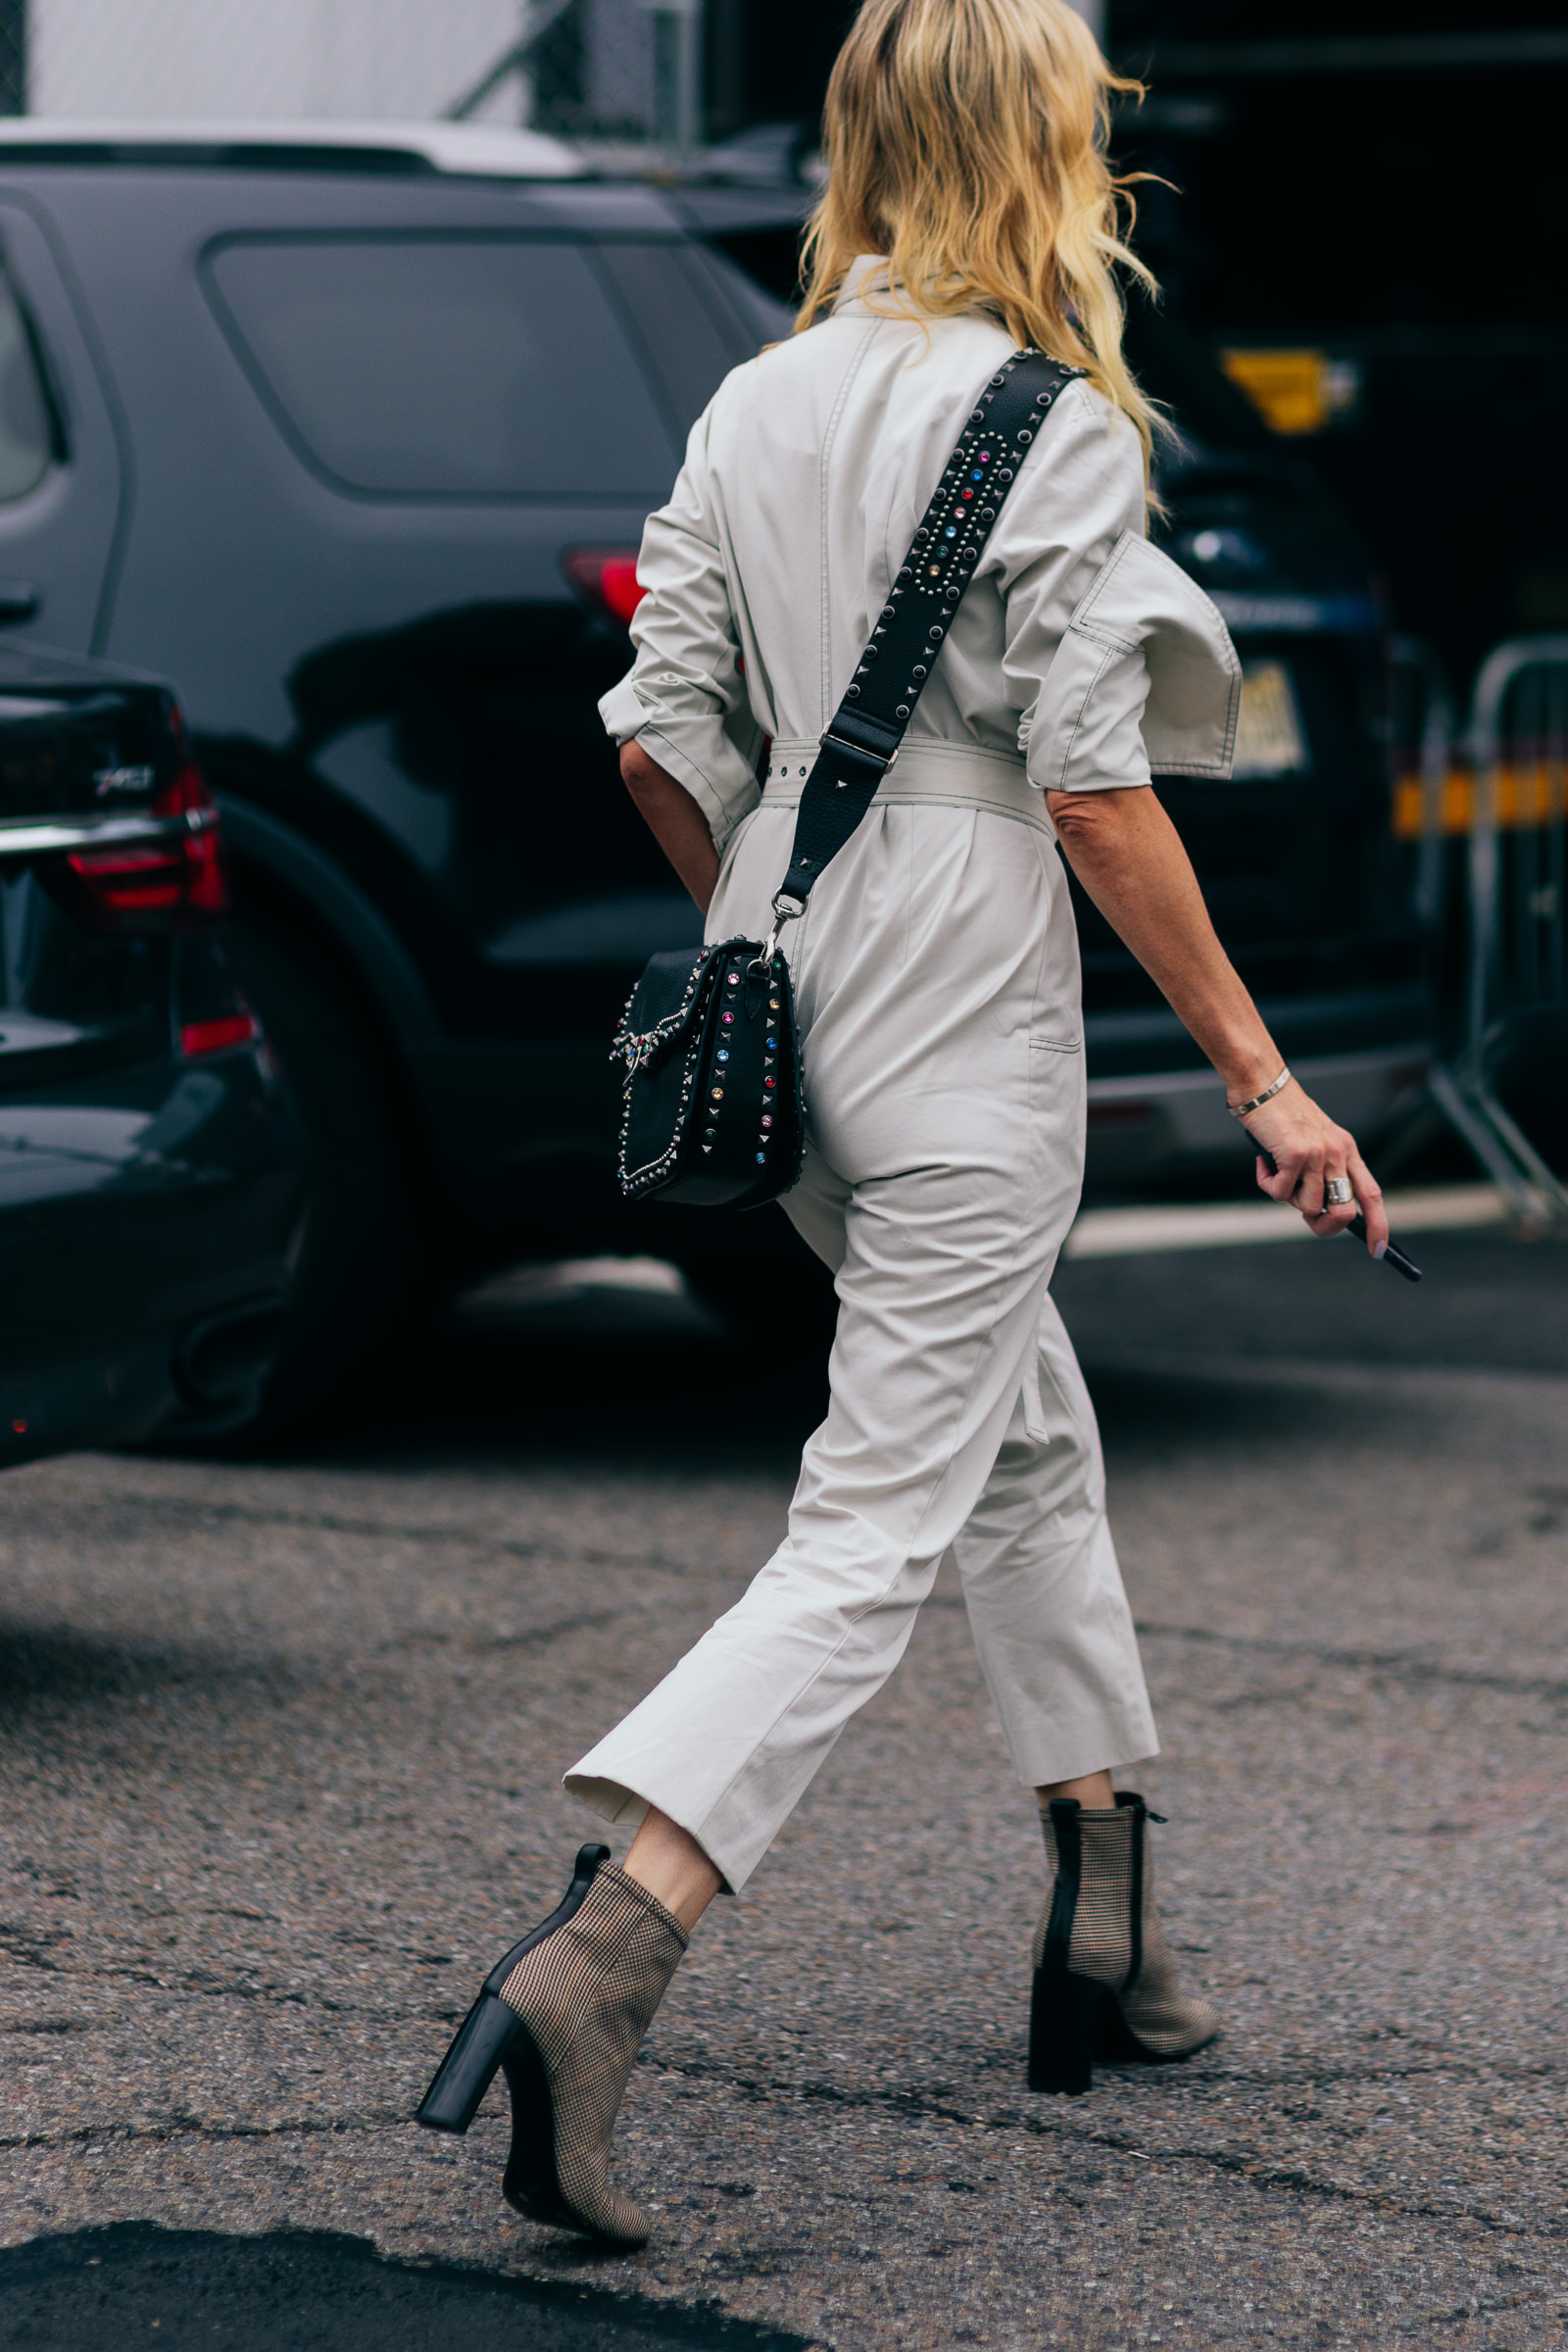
(684, 698)
(1145, 678)
(1118, 660)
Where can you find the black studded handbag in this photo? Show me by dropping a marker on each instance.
(714, 1111)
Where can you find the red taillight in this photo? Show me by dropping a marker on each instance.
(173, 885)
(607, 578)
(221, 1036)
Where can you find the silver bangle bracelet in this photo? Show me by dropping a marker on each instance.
(1245, 1111)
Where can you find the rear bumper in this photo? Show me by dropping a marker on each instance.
(1172, 1128)
(527, 1131)
(145, 1228)
(1157, 1119)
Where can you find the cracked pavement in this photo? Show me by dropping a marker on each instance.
(281, 1745)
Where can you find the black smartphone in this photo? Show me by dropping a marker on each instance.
(1391, 1257)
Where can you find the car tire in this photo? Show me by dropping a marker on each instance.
(354, 1280)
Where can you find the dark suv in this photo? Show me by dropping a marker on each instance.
(356, 440)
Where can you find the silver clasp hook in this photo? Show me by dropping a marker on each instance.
(781, 916)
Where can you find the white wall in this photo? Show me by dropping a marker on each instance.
(382, 59)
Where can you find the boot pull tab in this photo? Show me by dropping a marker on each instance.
(589, 1858)
(1135, 1805)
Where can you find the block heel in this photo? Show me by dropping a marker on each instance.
(490, 2030)
(470, 2066)
(1061, 2032)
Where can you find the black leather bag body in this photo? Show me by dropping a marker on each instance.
(714, 1111)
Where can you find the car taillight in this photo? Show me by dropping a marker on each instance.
(178, 884)
(219, 1036)
(607, 578)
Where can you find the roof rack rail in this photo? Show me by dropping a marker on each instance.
(465, 150)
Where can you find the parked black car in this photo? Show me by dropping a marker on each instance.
(149, 1163)
(355, 437)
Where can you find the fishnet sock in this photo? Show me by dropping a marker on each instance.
(587, 1995)
(1167, 2020)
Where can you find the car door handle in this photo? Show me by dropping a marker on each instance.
(20, 600)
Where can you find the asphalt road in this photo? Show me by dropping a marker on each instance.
(281, 1744)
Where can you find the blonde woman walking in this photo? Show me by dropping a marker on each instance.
(969, 211)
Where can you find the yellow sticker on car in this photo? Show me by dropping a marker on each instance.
(1295, 391)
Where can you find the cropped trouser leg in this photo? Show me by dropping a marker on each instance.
(946, 1097)
(957, 1419)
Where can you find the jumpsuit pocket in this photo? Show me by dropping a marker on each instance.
(1034, 1407)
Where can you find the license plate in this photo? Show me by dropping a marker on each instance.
(1270, 739)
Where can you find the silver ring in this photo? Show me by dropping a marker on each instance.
(1337, 1192)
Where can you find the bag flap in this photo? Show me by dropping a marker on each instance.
(664, 1005)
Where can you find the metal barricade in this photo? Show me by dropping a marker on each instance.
(1421, 723)
(1517, 946)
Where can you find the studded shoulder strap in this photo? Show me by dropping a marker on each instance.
(862, 740)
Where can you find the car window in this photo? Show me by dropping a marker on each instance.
(445, 367)
(27, 437)
(692, 334)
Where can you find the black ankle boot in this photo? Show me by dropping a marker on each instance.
(563, 2014)
(1105, 1982)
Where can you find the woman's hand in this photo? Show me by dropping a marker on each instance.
(1308, 1152)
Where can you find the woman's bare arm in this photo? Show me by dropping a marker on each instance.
(679, 826)
(1128, 855)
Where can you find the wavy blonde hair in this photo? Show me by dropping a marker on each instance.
(967, 142)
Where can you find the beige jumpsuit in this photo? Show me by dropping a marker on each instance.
(937, 982)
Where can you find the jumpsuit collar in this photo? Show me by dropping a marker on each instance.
(867, 270)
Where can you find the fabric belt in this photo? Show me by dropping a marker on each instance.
(956, 775)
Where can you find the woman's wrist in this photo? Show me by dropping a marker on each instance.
(1265, 1095)
(1249, 1073)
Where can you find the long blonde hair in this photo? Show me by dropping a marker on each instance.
(967, 142)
